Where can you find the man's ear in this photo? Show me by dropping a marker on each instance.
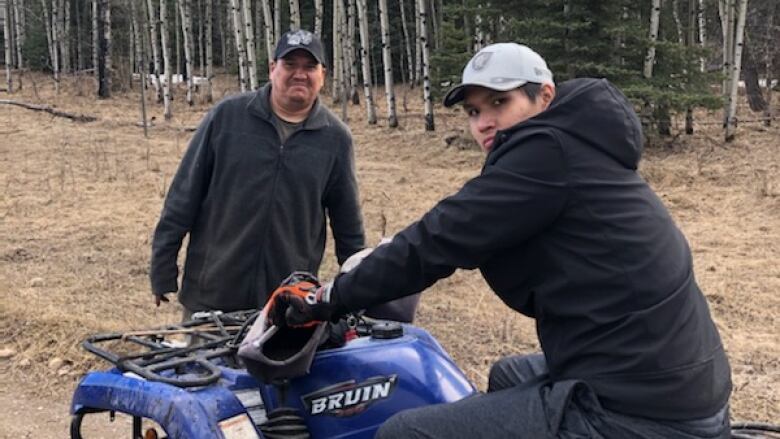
(271, 66)
(547, 94)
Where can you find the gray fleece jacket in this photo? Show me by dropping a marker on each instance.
(255, 208)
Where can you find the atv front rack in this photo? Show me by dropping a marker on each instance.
(212, 338)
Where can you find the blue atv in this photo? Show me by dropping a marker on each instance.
(335, 380)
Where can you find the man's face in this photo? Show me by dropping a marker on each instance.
(297, 79)
(490, 110)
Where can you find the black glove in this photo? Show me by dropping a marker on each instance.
(300, 303)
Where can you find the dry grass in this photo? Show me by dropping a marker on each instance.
(79, 202)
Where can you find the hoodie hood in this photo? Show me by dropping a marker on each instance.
(596, 112)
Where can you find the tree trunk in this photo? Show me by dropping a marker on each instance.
(104, 50)
(166, 53)
(754, 93)
(55, 39)
(268, 20)
(350, 50)
(185, 10)
(238, 33)
(318, 18)
(655, 16)
(79, 53)
(337, 46)
(139, 56)
(407, 42)
(731, 122)
(47, 29)
(67, 59)
(155, 48)
(417, 48)
(251, 53)
(277, 20)
(19, 37)
(201, 40)
(209, 51)
(7, 45)
(425, 45)
(435, 37)
(95, 37)
(727, 20)
(362, 11)
(702, 33)
(387, 61)
(295, 15)
(177, 36)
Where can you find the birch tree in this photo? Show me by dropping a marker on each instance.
(7, 45)
(407, 42)
(365, 61)
(140, 59)
(338, 69)
(350, 52)
(67, 65)
(47, 29)
(185, 12)
(387, 61)
(702, 33)
(318, 18)
(238, 33)
(166, 54)
(655, 15)
(268, 20)
(209, 52)
(152, 25)
(251, 54)
(19, 37)
(425, 45)
(277, 20)
(295, 15)
(731, 122)
(104, 50)
(95, 37)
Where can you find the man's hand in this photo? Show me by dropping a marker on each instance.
(159, 298)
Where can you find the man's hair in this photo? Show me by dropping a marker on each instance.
(531, 89)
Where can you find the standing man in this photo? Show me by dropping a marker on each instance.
(253, 189)
(565, 231)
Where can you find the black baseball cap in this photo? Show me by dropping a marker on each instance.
(300, 39)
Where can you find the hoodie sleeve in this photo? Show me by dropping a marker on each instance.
(343, 207)
(182, 204)
(516, 197)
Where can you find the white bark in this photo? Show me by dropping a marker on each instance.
(19, 33)
(295, 15)
(185, 11)
(155, 48)
(318, 18)
(268, 20)
(67, 59)
(251, 53)
(47, 28)
(655, 15)
(365, 61)
(417, 49)
(407, 42)
(425, 45)
(139, 56)
(166, 61)
(277, 20)
(387, 61)
(337, 65)
(209, 51)
(677, 22)
(702, 33)
(7, 45)
(238, 34)
(736, 69)
(55, 39)
(349, 44)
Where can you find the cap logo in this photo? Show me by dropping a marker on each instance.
(300, 37)
(480, 61)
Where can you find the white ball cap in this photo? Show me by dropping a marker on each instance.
(502, 67)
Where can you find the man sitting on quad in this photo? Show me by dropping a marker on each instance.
(565, 231)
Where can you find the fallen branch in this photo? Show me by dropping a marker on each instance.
(50, 110)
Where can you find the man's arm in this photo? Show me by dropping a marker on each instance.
(511, 201)
(343, 206)
(182, 204)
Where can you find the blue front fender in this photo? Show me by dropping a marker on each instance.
(183, 413)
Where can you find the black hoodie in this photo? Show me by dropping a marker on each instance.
(565, 231)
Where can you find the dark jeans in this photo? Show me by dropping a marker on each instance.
(522, 403)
